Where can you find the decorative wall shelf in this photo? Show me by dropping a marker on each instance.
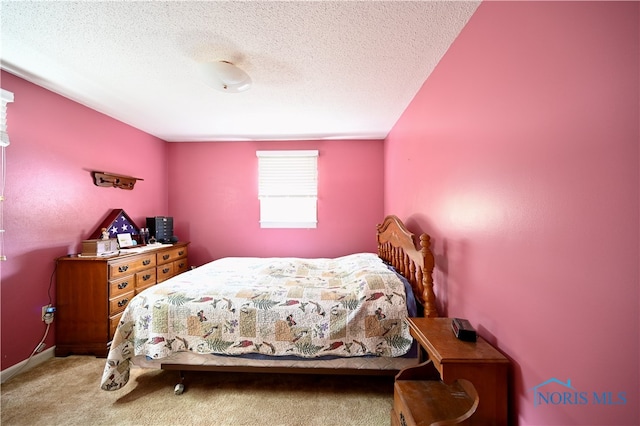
(114, 180)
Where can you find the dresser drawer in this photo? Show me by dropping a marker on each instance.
(130, 266)
(164, 272)
(118, 304)
(171, 255)
(113, 324)
(400, 410)
(145, 278)
(181, 265)
(141, 289)
(121, 286)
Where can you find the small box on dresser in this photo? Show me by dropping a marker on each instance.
(160, 228)
(92, 293)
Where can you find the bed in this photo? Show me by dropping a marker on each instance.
(282, 315)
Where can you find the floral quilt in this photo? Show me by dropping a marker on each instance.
(348, 306)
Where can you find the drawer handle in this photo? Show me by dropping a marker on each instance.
(403, 422)
(166, 256)
(123, 285)
(181, 265)
(181, 252)
(146, 262)
(166, 270)
(122, 303)
(146, 277)
(123, 268)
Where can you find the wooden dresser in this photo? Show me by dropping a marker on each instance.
(92, 293)
(461, 383)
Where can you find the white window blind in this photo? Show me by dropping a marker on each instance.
(4, 136)
(6, 98)
(288, 188)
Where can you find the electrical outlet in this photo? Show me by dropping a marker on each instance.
(44, 311)
(47, 313)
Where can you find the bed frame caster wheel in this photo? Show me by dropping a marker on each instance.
(178, 389)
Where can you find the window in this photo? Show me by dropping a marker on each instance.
(6, 97)
(288, 189)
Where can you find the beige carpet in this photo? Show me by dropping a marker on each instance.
(65, 391)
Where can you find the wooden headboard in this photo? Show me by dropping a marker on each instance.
(396, 246)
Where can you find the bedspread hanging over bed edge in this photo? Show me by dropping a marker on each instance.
(310, 308)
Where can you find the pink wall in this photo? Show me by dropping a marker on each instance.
(51, 202)
(520, 156)
(214, 200)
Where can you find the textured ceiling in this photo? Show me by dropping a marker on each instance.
(324, 69)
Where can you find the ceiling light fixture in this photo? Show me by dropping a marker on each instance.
(226, 77)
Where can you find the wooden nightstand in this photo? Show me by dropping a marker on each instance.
(462, 382)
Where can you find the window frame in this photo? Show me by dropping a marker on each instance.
(285, 185)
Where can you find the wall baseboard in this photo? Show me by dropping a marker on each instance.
(27, 364)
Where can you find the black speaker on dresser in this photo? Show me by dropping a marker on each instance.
(161, 228)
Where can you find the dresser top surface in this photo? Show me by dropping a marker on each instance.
(125, 253)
